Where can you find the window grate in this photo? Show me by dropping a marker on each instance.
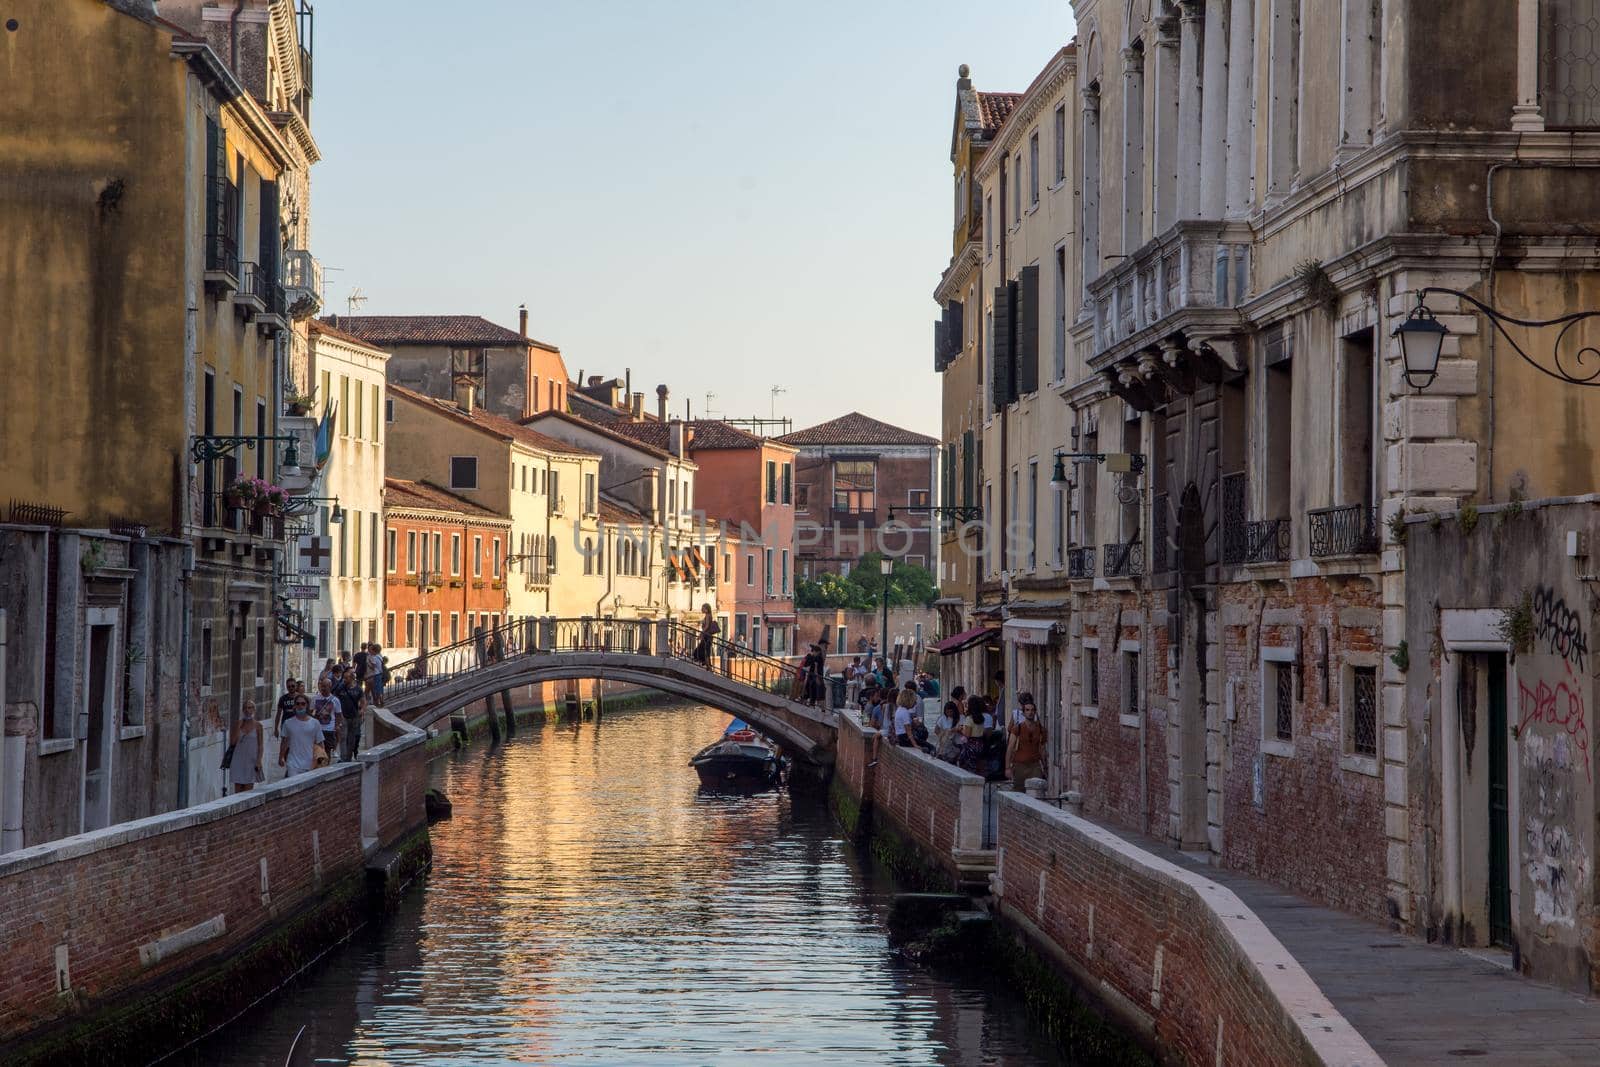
(1569, 89)
(1364, 711)
(1283, 728)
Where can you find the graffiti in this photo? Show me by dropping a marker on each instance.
(1559, 627)
(1554, 862)
(1561, 706)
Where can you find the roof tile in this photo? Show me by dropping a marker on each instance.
(498, 425)
(467, 331)
(993, 108)
(856, 429)
(403, 493)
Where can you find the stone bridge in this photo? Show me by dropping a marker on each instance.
(727, 680)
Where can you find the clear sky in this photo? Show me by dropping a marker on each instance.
(722, 196)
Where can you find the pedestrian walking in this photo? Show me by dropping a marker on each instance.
(285, 706)
(243, 758)
(353, 703)
(377, 673)
(325, 708)
(812, 666)
(302, 736)
(1026, 748)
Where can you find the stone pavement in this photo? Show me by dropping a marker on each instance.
(1414, 1002)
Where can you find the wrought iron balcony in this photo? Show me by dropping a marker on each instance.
(222, 263)
(1123, 560)
(255, 288)
(1080, 563)
(1351, 530)
(1267, 541)
(1192, 265)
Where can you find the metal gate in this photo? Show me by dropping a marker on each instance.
(1499, 807)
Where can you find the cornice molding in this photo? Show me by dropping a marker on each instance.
(954, 278)
(1062, 69)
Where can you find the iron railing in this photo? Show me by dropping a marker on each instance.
(1235, 515)
(1080, 563)
(1158, 534)
(1123, 560)
(1267, 541)
(1351, 530)
(222, 253)
(254, 283)
(643, 637)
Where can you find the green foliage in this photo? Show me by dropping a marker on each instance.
(1318, 286)
(1469, 518)
(1397, 527)
(1516, 625)
(910, 584)
(1401, 657)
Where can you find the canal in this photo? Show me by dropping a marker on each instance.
(588, 905)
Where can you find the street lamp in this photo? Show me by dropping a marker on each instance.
(886, 568)
(1422, 340)
(1114, 462)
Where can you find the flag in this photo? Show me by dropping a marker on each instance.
(324, 442)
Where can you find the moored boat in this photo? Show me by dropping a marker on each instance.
(740, 760)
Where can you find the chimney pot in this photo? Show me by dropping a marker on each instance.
(661, 402)
(522, 319)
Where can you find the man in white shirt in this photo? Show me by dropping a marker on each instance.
(902, 726)
(301, 736)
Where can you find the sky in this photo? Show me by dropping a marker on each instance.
(724, 197)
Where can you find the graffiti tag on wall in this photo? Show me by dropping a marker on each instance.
(1554, 860)
(1558, 627)
(1561, 706)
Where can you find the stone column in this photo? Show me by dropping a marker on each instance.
(1091, 187)
(1134, 183)
(1165, 163)
(1355, 77)
(1525, 116)
(1213, 111)
(1189, 33)
(1240, 149)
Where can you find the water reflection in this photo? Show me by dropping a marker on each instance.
(589, 905)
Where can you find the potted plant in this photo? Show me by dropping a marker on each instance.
(299, 404)
(240, 493)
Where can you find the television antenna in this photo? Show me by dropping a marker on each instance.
(709, 398)
(355, 301)
(776, 390)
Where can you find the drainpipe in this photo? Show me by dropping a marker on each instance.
(183, 682)
(233, 36)
(15, 764)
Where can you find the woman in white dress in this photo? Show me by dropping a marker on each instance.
(244, 771)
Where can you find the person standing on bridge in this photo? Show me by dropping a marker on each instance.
(301, 736)
(708, 633)
(352, 702)
(244, 761)
(1026, 749)
(376, 673)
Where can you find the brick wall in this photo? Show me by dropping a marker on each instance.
(1173, 950)
(1110, 750)
(140, 904)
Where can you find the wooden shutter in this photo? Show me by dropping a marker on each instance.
(969, 471)
(1003, 355)
(939, 327)
(1027, 326)
(216, 196)
(271, 237)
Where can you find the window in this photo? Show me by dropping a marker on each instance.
(855, 484)
(344, 550)
(436, 629)
(358, 421)
(372, 545)
(455, 554)
(672, 497)
(455, 627)
(788, 483)
(768, 571)
(477, 556)
(411, 551)
(750, 569)
(1059, 508)
(411, 629)
(772, 482)
(1277, 700)
(261, 431)
(1059, 349)
(438, 553)
(802, 496)
(1361, 713)
(1033, 168)
(1357, 403)
(262, 664)
(353, 525)
(496, 571)
(374, 413)
(785, 572)
(1016, 190)
(1569, 63)
(1033, 514)
(388, 629)
(1277, 445)
(388, 411)
(727, 566)
(1091, 679)
(590, 505)
(463, 472)
(988, 224)
(741, 623)
(1130, 684)
(344, 405)
(1061, 143)
(588, 555)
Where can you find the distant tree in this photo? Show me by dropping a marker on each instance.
(910, 583)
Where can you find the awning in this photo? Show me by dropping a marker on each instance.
(962, 641)
(1029, 631)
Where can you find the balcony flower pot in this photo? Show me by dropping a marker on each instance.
(234, 499)
(263, 506)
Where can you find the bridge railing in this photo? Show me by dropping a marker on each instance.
(643, 637)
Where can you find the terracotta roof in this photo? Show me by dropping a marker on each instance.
(402, 493)
(594, 410)
(601, 429)
(856, 429)
(318, 326)
(614, 510)
(993, 109)
(708, 434)
(499, 425)
(462, 331)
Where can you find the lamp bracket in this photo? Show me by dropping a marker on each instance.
(1581, 356)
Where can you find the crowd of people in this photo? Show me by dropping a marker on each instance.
(312, 729)
(970, 731)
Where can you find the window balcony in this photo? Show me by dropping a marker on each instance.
(254, 289)
(222, 264)
(1123, 560)
(1201, 266)
(1247, 541)
(1351, 530)
(1080, 563)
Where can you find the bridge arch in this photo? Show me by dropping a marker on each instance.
(806, 733)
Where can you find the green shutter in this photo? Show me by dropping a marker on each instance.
(1026, 324)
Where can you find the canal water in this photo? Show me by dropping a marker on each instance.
(587, 904)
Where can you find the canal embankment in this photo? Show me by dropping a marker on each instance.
(1164, 953)
(129, 941)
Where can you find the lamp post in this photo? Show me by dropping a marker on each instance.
(886, 568)
(1422, 337)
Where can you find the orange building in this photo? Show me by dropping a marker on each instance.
(445, 567)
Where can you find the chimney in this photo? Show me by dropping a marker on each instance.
(627, 388)
(466, 395)
(522, 319)
(636, 407)
(675, 438)
(661, 402)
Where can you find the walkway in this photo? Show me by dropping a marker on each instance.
(1416, 1003)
